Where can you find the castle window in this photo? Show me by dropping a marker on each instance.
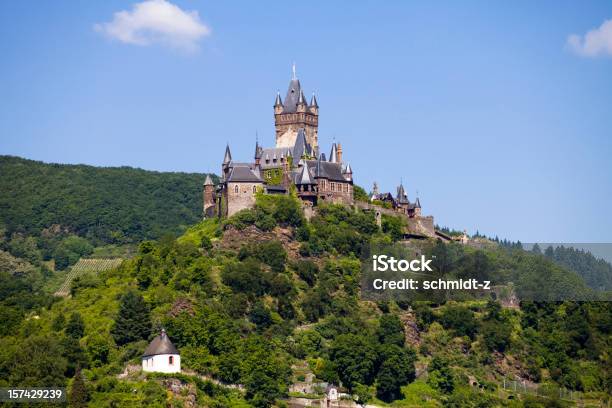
(236, 189)
(171, 360)
(333, 186)
(254, 189)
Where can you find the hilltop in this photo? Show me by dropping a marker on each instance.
(106, 205)
(271, 301)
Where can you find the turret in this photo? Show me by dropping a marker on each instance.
(301, 103)
(208, 197)
(313, 107)
(258, 153)
(278, 104)
(348, 172)
(226, 161)
(333, 155)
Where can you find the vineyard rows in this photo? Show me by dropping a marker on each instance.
(84, 266)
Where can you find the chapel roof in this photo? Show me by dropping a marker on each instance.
(160, 345)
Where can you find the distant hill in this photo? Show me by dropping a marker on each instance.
(103, 204)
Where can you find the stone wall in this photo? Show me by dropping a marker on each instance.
(421, 226)
(287, 125)
(335, 192)
(240, 196)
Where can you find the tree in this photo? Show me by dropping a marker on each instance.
(355, 359)
(396, 370)
(391, 330)
(260, 315)
(461, 320)
(75, 327)
(441, 376)
(133, 321)
(79, 395)
(307, 271)
(37, 362)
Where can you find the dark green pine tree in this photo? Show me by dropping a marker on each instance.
(75, 327)
(79, 395)
(134, 321)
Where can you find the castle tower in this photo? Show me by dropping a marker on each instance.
(294, 113)
(208, 209)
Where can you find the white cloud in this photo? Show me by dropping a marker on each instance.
(594, 43)
(156, 22)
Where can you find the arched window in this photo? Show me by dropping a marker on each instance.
(254, 189)
(236, 189)
(171, 360)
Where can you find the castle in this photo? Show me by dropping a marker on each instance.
(296, 162)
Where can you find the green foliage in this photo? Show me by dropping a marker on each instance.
(79, 395)
(461, 320)
(270, 253)
(124, 205)
(440, 375)
(133, 321)
(355, 358)
(307, 271)
(391, 330)
(359, 194)
(397, 369)
(393, 226)
(75, 327)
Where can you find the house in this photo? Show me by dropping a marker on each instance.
(161, 356)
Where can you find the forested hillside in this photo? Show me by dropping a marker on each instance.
(102, 204)
(269, 300)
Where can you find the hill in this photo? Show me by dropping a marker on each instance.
(112, 205)
(272, 301)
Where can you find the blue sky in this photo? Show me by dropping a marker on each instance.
(499, 122)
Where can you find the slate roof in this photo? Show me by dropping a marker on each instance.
(304, 177)
(323, 169)
(245, 174)
(402, 198)
(228, 155)
(301, 146)
(269, 153)
(313, 101)
(333, 155)
(160, 345)
(293, 94)
(208, 181)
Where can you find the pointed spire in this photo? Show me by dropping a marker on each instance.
(333, 155)
(305, 176)
(258, 149)
(348, 169)
(301, 99)
(278, 101)
(208, 181)
(319, 170)
(417, 204)
(313, 101)
(228, 155)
